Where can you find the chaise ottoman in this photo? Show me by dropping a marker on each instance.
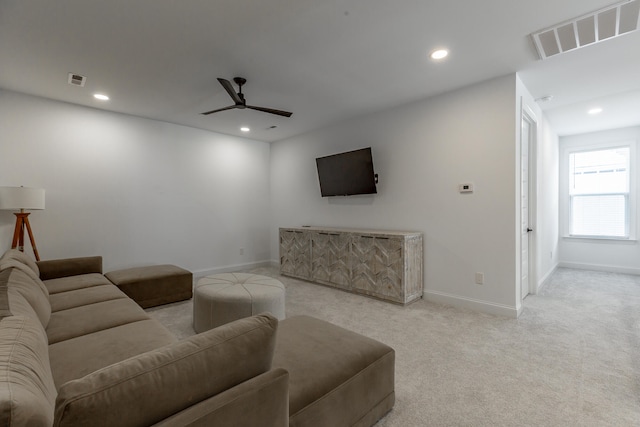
(154, 285)
(337, 377)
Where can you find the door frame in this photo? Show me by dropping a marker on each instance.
(528, 114)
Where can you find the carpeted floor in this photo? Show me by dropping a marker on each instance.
(571, 359)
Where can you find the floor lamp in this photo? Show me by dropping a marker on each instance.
(21, 198)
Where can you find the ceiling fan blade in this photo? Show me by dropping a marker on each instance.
(220, 109)
(271, 110)
(226, 84)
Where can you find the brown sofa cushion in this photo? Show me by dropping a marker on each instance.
(12, 302)
(57, 268)
(77, 357)
(27, 391)
(4, 264)
(155, 385)
(79, 297)
(16, 255)
(87, 319)
(81, 281)
(260, 401)
(33, 293)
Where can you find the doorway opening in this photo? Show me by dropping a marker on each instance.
(528, 179)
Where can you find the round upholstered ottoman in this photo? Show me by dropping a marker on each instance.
(222, 298)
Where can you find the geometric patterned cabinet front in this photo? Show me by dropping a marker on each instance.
(378, 266)
(381, 264)
(295, 254)
(329, 259)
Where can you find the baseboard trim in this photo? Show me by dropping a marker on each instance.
(543, 282)
(472, 304)
(197, 274)
(601, 267)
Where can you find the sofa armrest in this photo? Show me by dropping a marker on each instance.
(150, 387)
(56, 268)
(261, 401)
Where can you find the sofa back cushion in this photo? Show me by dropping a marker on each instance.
(28, 282)
(27, 391)
(58, 268)
(32, 292)
(26, 270)
(16, 255)
(148, 388)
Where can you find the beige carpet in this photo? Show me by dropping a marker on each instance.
(571, 359)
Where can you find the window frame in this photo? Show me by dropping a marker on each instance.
(566, 197)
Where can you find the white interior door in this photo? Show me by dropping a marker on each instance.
(527, 252)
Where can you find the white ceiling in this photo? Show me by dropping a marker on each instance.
(325, 61)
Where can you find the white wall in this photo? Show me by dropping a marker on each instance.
(135, 191)
(422, 151)
(143, 192)
(597, 254)
(547, 231)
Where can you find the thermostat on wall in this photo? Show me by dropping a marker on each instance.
(465, 187)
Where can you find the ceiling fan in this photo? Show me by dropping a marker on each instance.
(239, 100)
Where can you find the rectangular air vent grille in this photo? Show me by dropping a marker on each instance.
(77, 80)
(604, 24)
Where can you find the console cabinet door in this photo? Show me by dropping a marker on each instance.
(295, 254)
(377, 267)
(330, 259)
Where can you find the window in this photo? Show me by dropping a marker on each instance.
(599, 183)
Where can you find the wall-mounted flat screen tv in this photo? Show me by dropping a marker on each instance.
(347, 174)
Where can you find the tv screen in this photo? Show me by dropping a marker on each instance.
(347, 174)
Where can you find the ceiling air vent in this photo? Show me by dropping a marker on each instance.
(77, 79)
(612, 21)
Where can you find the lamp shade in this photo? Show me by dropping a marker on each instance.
(16, 198)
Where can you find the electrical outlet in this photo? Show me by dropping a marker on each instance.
(479, 278)
(241, 251)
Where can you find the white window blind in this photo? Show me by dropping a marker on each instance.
(599, 192)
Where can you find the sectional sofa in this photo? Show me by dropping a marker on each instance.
(76, 351)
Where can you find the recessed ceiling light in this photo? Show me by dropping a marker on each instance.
(245, 129)
(594, 111)
(101, 96)
(439, 54)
